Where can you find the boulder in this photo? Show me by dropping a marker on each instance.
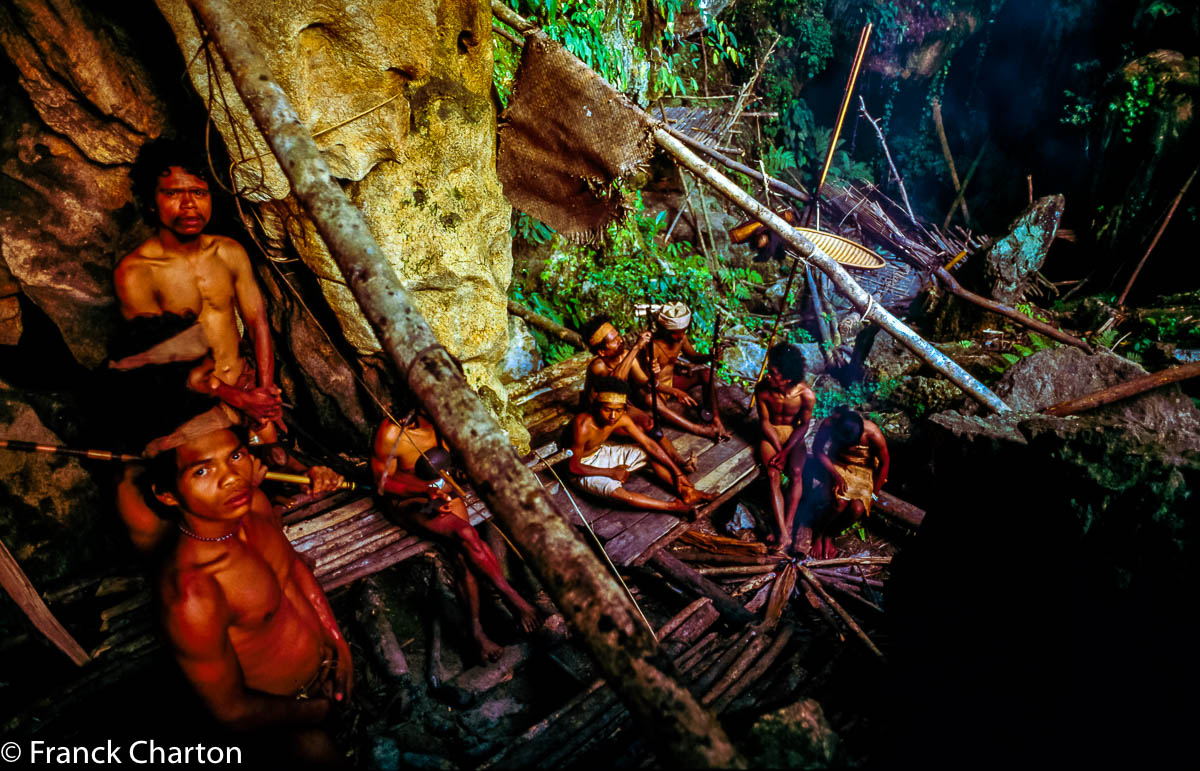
(889, 359)
(796, 736)
(1011, 261)
(51, 510)
(1055, 375)
(522, 357)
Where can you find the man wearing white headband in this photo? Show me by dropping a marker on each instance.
(676, 378)
(602, 467)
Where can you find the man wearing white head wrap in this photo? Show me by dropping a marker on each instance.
(675, 379)
(675, 317)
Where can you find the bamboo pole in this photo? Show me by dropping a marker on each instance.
(776, 185)
(837, 274)
(606, 621)
(959, 187)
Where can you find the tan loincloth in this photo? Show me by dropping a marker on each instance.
(783, 432)
(852, 464)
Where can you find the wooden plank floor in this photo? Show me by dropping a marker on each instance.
(346, 537)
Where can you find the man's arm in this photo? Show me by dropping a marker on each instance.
(197, 624)
(764, 419)
(821, 452)
(580, 434)
(253, 310)
(879, 448)
(652, 448)
(627, 362)
(803, 417)
(306, 583)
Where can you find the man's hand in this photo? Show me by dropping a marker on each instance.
(682, 396)
(263, 403)
(324, 480)
(642, 340)
(777, 460)
(619, 473)
(438, 494)
(839, 484)
(258, 469)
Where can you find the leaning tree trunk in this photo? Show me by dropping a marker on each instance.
(606, 621)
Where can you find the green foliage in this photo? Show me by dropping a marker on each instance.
(552, 349)
(531, 230)
(1130, 107)
(1161, 8)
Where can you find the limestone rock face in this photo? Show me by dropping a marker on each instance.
(522, 357)
(10, 308)
(398, 95)
(64, 195)
(1011, 261)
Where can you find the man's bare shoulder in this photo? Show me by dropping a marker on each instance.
(227, 248)
(597, 367)
(138, 259)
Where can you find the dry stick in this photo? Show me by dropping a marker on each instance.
(737, 570)
(962, 191)
(862, 109)
(1007, 312)
(687, 202)
(740, 103)
(838, 561)
(826, 345)
(546, 325)
(737, 669)
(959, 188)
(741, 168)
(755, 673)
(815, 583)
(679, 573)
(1157, 235)
(680, 617)
(841, 279)
(606, 620)
(753, 584)
(1124, 390)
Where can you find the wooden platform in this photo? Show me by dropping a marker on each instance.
(345, 537)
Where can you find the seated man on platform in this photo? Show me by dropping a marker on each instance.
(785, 406)
(615, 359)
(409, 464)
(855, 454)
(676, 378)
(245, 618)
(602, 467)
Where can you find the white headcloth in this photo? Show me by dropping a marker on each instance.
(675, 316)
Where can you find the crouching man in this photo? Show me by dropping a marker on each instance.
(245, 618)
(602, 467)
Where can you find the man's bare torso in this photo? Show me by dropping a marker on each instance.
(154, 280)
(784, 407)
(274, 631)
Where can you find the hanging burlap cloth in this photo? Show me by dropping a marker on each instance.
(566, 136)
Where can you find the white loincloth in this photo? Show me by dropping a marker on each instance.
(610, 456)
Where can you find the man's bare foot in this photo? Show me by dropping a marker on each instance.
(690, 465)
(489, 652)
(784, 544)
(722, 433)
(527, 617)
(689, 510)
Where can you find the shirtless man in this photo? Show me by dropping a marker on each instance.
(403, 461)
(675, 379)
(785, 407)
(603, 468)
(615, 359)
(244, 616)
(855, 454)
(201, 280)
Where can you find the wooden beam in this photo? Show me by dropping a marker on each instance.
(19, 587)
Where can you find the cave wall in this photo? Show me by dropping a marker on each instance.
(399, 98)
